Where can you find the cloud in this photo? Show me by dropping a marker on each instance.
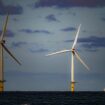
(29, 31)
(67, 41)
(36, 48)
(103, 19)
(91, 42)
(15, 19)
(41, 50)
(69, 3)
(4, 9)
(8, 33)
(51, 18)
(68, 29)
(32, 47)
(18, 44)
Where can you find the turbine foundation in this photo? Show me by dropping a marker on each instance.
(72, 86)
(1, 86)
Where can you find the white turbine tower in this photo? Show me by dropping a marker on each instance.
(2, 48)
(73, 53)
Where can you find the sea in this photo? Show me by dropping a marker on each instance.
(52, 98)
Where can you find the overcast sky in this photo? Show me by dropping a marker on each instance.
(38, 27)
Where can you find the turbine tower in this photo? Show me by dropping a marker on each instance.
(2, 48)
(73, 53)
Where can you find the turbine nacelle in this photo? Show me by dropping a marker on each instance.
(73, 51)
(2, 42)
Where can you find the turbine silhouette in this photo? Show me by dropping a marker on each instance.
(2, 48)
(73, 53)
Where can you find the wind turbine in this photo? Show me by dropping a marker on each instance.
(2, 48)
(73, 53)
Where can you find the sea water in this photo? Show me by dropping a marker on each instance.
(52, 98)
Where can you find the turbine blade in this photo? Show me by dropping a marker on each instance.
(10, 54)
(78, 57)
(59, 52)
(4, 27)
(75, 41)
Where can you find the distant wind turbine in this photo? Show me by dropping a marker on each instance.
(73, 53)
(2, 48)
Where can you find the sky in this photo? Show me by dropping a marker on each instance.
(38, 27)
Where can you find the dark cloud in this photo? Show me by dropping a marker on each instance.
(103, 19)
(69, 29)
(91, 42)
(29, 31)
(41, 50)
(4, 9)
(15, 19)
(18, 44)
(51, 18)
(69, 3)
(90, 49)
(67, 41)
(42, 31)
(8, 33)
